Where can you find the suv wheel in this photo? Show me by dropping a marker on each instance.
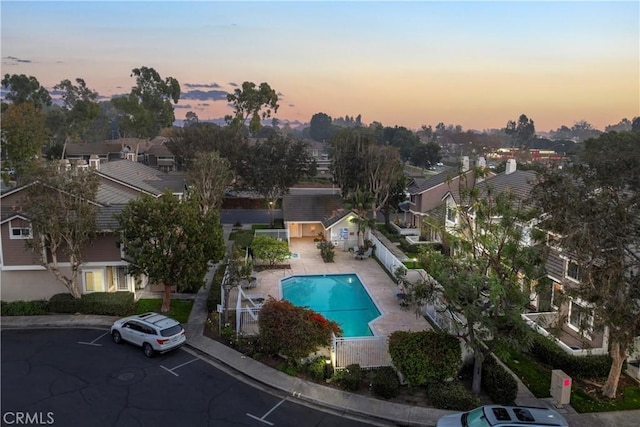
(148, 350)
(117, 338)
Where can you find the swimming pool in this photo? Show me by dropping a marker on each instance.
(338, 297)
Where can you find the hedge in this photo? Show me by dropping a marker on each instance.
(23, 308)
(215, 291)
(385, 383)
(451, 395)
(351, 378)
(498, 383)
(99, 303)
(584, 367)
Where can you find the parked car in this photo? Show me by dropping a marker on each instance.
(154, 332)
(504, 416)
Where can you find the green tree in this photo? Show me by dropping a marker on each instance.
(294, 332)
(383, 169)
(593, 207)
(147, 109)
(346, 151)
(270, 249)
(523, 132)
(63, 218)
(79, 107)
(252, 103)
(635, 124)
(360, 202)
(210, 175)
(23, 135)
(25, 89)
(170, 241)
(190, 119)
(486, 281)
(320, 127)
(275, 165)
(426, 155)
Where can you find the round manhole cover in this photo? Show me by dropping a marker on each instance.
(127, 376)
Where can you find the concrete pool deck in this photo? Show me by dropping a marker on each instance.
(380, 286)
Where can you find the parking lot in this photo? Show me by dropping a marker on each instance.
(80, 377)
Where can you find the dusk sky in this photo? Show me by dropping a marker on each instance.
(477, 64)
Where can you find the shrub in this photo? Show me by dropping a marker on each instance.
(316, 368)
(215, 293)
(351, 378)
(425, 355)
(451, 395)
(270, 249)
(385, 383)
(547, 352)
(326, 251)
(64, 303)
(102, 303)
(294, 332)
(23, 308)
(499, 384)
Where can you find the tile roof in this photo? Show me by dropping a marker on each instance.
(518, 182)
(420, 185)
(105, 219)
(143, 177)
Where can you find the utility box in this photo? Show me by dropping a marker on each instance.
(560, 387)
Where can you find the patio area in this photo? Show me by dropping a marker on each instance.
(380, 286)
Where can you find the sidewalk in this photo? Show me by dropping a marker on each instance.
(316, 394)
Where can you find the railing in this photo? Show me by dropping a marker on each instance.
(405, 231)
(247, 315)
(384, 255)
(276, 233)
(368, 352)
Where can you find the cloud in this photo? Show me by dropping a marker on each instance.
(280, 95)
(233, 84)
(292, 105)
(204, 104)
(56, 92)
(183, 106)
(211, 85)
(214, 95)
(14, 59)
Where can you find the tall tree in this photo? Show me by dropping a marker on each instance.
(210, 174)
(425, 155)
(23, 135)
(594, 208)
(360, 202)
(276, 165)
(522, 132)
(190, 119)
(63, 218)
(252, 103)
(79, 106)
(346, 153)
(320, 128)
(170, 241)
(147, 109)
(486, 281)
(23, 89)
(383, 169)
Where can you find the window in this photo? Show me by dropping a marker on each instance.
(574, 271)
(93, 281)
(19, 232)
(580, 317)
(451, 214)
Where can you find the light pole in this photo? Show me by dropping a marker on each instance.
(271, 213)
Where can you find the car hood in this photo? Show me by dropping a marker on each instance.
(453, 420)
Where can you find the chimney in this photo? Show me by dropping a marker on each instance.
(82, 164)
(465, 163)
(94, 162)
(65, 164)
(481, 162)
(130, 155)
(511, 166)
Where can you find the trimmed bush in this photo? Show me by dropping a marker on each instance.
(385, 383)
(351, 378)
(215, 292)
(425, 355)
(584, 367)
(316, 368)
(451, 395)
(499, 384)
(326, 251)
(23, 308)
(100, 303)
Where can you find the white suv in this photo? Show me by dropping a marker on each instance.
(504, 416)
(154, 332)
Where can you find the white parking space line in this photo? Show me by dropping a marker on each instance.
(179, 366)
(262, 419)
(94, 341)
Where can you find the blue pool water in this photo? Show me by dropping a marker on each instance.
(338, 297)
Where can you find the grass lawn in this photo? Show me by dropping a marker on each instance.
(243, 238)
(585, 396)
(180, 309)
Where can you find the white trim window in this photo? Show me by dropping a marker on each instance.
(451, 214)
(93, 280)
(580, 318)
(20, 232)
(574, 271)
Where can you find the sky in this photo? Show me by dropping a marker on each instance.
(477, 64)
